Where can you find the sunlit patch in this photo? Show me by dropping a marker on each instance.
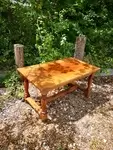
(50, 75)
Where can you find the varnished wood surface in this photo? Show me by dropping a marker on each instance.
(54, 74)
(62, 93)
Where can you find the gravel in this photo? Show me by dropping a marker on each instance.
(76, 123)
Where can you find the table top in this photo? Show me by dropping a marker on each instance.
(50, 75)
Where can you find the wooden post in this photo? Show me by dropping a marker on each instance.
(19, 55)
(80, 47)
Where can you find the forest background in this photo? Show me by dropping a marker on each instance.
(48, 30)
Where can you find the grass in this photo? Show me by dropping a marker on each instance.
(97, 144)
(2, 78)
(3, 99)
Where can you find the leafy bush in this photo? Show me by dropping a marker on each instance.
(57, 28)
(48, 30)
(17, 23)
(12, 82)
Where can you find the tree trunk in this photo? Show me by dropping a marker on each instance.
(80, 47)
(19, 55)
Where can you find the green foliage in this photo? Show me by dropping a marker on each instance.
(17, 25)
(12, 82)
(57, 28)
(2, 78)
(51, 40)
(48, 30)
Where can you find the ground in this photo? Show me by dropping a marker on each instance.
(77, 123)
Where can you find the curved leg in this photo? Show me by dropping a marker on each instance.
(43, 113)
(26, 87)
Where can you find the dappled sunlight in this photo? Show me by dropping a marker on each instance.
(75, 106)
(75, 121)
(54, 74)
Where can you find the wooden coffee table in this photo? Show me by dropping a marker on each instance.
(52, 75)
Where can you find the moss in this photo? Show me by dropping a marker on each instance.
(97, 144)
(4, 99)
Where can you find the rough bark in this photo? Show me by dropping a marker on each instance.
(80, 47)
(19, 55)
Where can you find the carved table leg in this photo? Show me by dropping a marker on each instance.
(43, 113)
(26, 87)
(87, 92)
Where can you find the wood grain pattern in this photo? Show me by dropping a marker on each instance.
(87, 93)
(26, 88)
(47, 76)
(43, 113)
(19, 55)
(62, 93)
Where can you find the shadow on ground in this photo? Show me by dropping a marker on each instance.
(75, 106)
(69, 128)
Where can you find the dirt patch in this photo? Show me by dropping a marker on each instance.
(77, 123)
